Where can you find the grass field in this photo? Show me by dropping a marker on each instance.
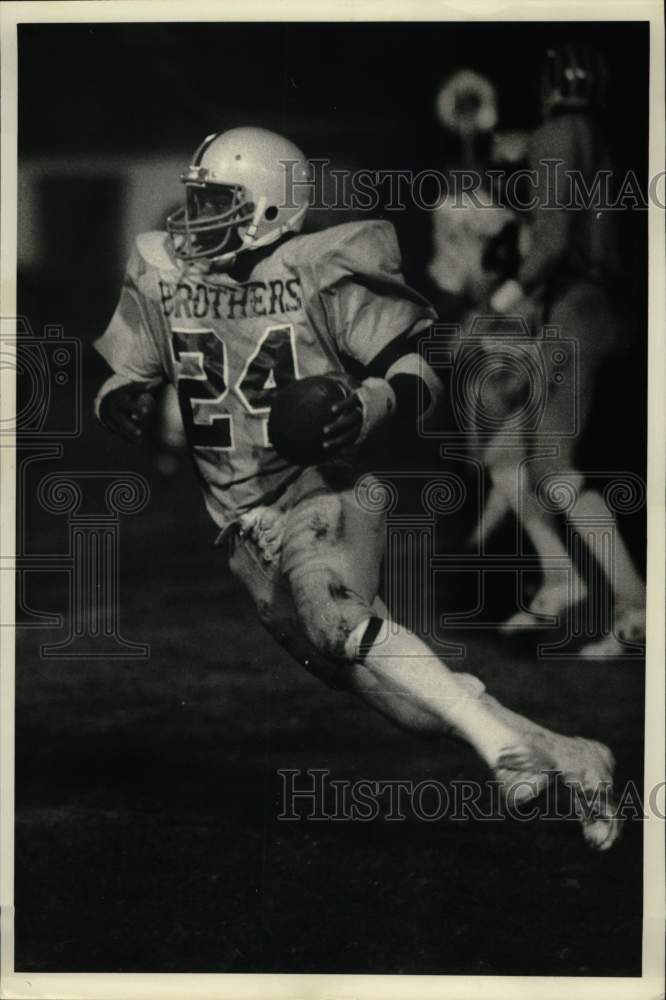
(147, 836)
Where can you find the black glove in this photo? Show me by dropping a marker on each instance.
(127, 410)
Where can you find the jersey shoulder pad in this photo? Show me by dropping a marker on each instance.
(352, 248)
(151, 256)
(154, 250)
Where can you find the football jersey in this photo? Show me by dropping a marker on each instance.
(462, 229)
(228, 345)
(568, 154)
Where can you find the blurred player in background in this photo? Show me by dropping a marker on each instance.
(567, 274)
(463, 224)
(231, 305)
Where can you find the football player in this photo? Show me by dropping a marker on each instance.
(571, 274)
(231, 304)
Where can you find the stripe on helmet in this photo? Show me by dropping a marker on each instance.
(208, 141)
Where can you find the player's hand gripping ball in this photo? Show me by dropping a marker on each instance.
(128, 410)
(314, 419)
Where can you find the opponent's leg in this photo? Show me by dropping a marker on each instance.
(496, 507)
(586, 314)
(512, 485)
(515, 481)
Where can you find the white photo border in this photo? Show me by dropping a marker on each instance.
(345, 987)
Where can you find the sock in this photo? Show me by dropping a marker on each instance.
(401, 663)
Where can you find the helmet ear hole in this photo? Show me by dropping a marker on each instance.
(235, 194)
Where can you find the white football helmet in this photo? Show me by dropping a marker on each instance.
(243, 190)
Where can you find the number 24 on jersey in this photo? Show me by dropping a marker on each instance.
(202, 382)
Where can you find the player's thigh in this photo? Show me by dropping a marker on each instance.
(586, 313)
(271, 593)
(264, 583)
(331, 554)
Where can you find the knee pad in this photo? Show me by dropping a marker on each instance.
(329, 611)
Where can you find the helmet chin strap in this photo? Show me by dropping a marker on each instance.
(248, 237)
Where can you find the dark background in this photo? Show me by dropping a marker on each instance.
(152, 86)
(147, 792)
(359, 95)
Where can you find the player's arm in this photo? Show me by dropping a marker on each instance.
(551, 159)
(126, 399)
(375, 318)
(400, 385)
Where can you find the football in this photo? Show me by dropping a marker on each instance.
(299, 413)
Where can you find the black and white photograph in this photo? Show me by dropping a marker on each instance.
(332, 501)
